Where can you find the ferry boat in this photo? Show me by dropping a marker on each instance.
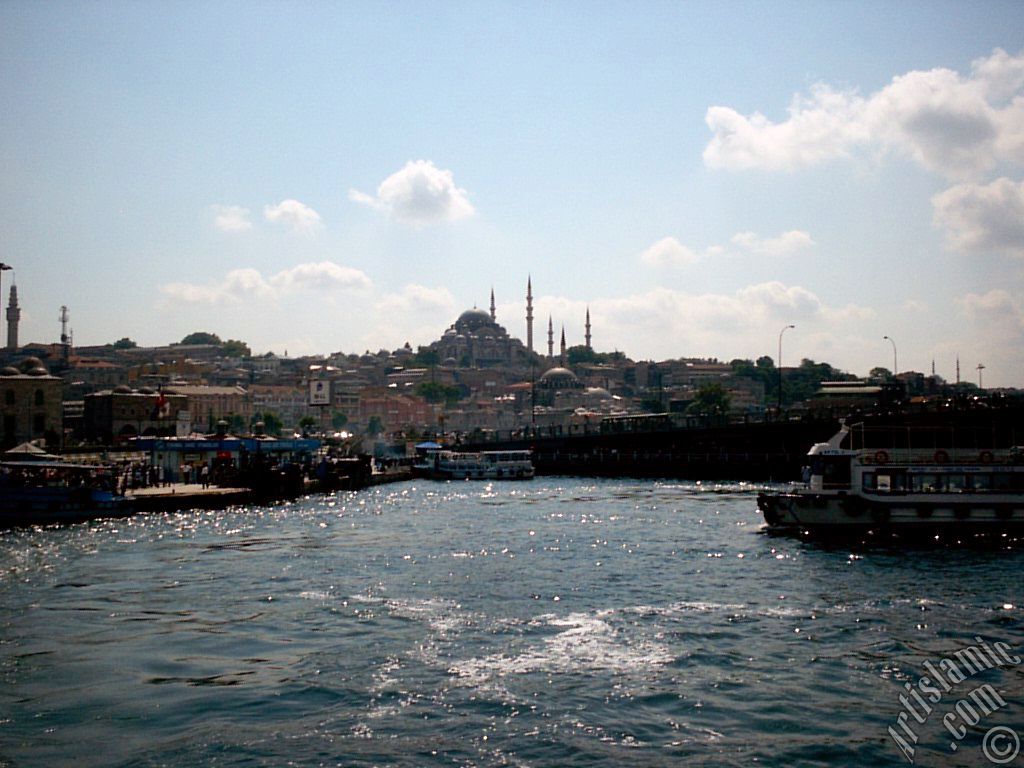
(482, 465)
(903, 480)
(43, 492)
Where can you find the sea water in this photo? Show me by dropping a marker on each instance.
(556, 622)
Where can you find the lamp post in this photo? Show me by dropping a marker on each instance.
(780, 363)
(895, 367)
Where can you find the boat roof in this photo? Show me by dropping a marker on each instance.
(50, 465)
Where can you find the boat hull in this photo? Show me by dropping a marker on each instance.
(46, 506)
(808, 512)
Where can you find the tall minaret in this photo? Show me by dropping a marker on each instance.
(529, 314)
(13, 316)
(561, 359)
(551, 340)
(494, 316)
(588, 329)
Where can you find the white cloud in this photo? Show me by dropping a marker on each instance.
(244, 285)
(320, 276)
(982, 218)
(951, 124)
(668, 252)
(418, 298)
(293, 214)
(230, 218)
(419, 194)
(783, 245)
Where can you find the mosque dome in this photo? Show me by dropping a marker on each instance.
(29, 363)
(10, 370)
(599, 393)
(37, 371)
(472, 319)
(559, 378)
(147, 391)
(122, 389)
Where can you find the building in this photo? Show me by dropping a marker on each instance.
(30, 404)
(209, 404)
(122, 413)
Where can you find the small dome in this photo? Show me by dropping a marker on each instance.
(147, 391)
(559, 378)
(37, 371)
(122, 389)
(10, 370)
(598, 392)
(29, 363)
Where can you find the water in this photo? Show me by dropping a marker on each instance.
(558, 622)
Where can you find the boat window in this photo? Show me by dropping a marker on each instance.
(980, 482)
(869, 481)
(926, 483)
(883, 483)
(956, 482)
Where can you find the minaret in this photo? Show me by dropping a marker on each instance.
(551, 340)
(561, 359)
(529, 315)
(494, 316)
(13, 316)
(587, 337)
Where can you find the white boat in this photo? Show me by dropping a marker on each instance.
(905, 480)
(482, 465)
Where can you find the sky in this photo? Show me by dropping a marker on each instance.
(318, 177)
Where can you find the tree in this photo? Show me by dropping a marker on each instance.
(124, 343)
(201, 337)
(235, 348)
(306, 423)
(375, 426)
(338, 419)
(880, 374)
(712, 398)
(434, 392)
(425, 357)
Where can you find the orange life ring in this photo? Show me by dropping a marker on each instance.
(881, 457)
(986, 457)
(941, 457)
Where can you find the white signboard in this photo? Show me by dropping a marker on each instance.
(319, 392)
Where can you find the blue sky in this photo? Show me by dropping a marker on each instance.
(321, 177)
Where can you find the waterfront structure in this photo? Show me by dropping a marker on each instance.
(123, 413)
(13, 316)
(30, 404)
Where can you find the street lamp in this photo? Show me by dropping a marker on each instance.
(895, 367)
(780, 363)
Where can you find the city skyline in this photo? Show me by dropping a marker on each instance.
(693, 177)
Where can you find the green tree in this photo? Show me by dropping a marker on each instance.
(338, 419)
(375, 426)
(124, 343)
(235, 348)
(201, 337)
(434, 392)
(425, 357)
(712, 398)
(306, 423)
(272, 423)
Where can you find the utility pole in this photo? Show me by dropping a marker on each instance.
(780, 363)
